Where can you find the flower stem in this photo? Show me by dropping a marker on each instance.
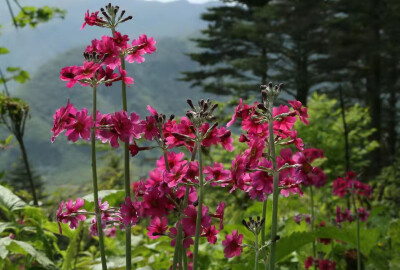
(264, 215)
(312, 220)
(185, 260)
(274, 223)
(127, 175)
(95, 188)
(177, 247)
(257, 252)
(199, 209)
(358, 230)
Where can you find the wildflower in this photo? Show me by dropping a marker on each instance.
(308, 262)
(62, 118)
(211, 234)
(123, 76)
(80, 126)
(146, 44)
(87, 71)
(120, 40)
(219, 213)
(363, 214)
(217, 173)
(128, 212)
(73, 213)
(158, 226)
(92, 19)
(189, 222)
(283, 123)
(300, 110)
(233, 244)
(69, 74)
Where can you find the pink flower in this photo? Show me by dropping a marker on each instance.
(121, 128)
(187, 240)
(158, 226)
(120, 40)
(174, 160)
(62, 118)
(363, 214)
(128, 212)
(87, 71)
(225, 139)
(238, 173)
(69, 74)
(124, 77)
(300, 110)
(211, 234)
(80, 126)
(107, 75)
(110, 232)
(326, 265)
(189, 223)
(136, 56)
(217, 173)
(309, 262)
(146, 44)
(107, 46)
(155, 204)
(175, 176)
(92, 19)
(285, 123)
(150, 128)
(262, 183)
(73, 213)
(219, 213)
(233, 244)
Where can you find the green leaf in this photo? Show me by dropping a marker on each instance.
(8, 140)
(286, 245)
(53, 227)
(72, 250)
(22, 77)
(9, 200)
(6, 225)
(18, 247)
(13, 69)
(4, 50)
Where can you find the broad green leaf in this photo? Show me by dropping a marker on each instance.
(18, 247)
(8, 140)
(13, 69)
(10, 200)
(53, 227)
(6, 225)
(72, 249)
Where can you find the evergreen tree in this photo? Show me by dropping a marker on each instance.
(234, 49)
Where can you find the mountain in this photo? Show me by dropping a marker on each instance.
(60, 43)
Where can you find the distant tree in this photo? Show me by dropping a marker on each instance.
(234, 49)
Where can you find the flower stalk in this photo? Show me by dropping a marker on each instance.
(275, 194)
(312, 220)
(199, 208)
(95, 187)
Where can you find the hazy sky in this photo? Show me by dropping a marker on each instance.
(190, 1)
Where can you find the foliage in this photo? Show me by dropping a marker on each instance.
(326, 132)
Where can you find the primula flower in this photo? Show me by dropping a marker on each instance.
(121, 128)
(233, 244)
(73, 213)
(123, 76)
(128, 212)
(217, 173)
(155, 204)
(284, 123)
(87, 71)
(300, 110)
(189, 222)
(158, 226)
(326, 265)
(219, 213)
(150, 128)
(238, 173)
(187, 240)
(92, 19)
(120, 40)
(107, 75)
(363, 214)
(211, 234)
(146, 44)
(62, 118)
(80, 126)
(136, 56)
(174, 160)
(108, 46)
(308, 262)
(69, 74)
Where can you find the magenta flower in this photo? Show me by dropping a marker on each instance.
(308, 262)
(211, 234)
(136, 56)
(233, 244)
(69, 74)
(217, 173)
(120, 40)
(363, 214)
(146, 44)
(155, 204)
(87, 71)
(285, 123)
(107, 75)
(150, 128)
(62, 118)
(300, 110)
(128, 212)
(158, 226)
(73, 213)
(189, 222)
(174, 160)
(187, 240)
(80, 126)
(219, 213)
(92, 19)
(123, 76)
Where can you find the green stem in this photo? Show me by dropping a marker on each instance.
(177, 246)
(95, 188)
(199, 209)
(312, 218)
(358, 230)
(274, 223)
(257, 252)
(28, 171)
(264, 215)
(127, 176)
(185, 260)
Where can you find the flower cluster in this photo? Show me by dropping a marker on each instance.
(348, 184)
(321, 264)
(252, 170)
